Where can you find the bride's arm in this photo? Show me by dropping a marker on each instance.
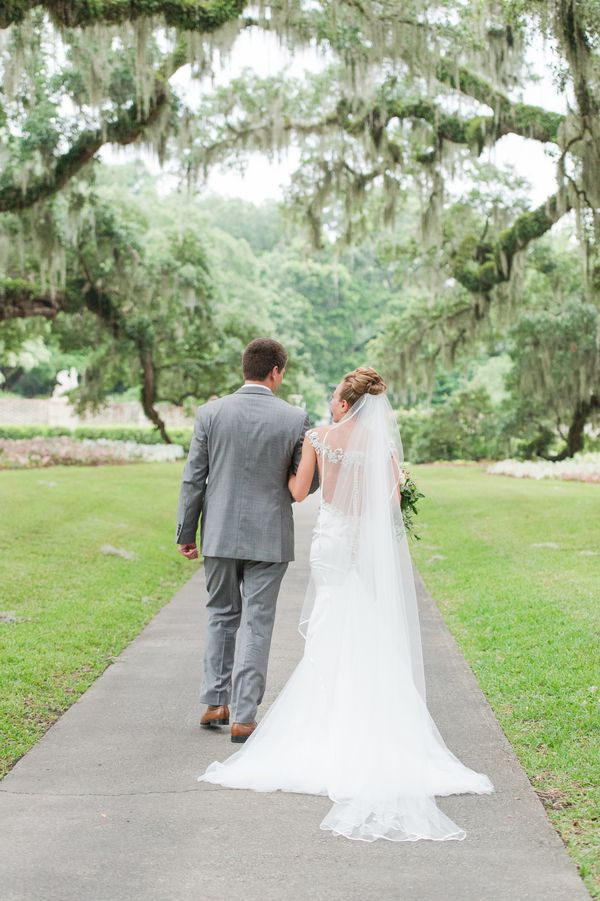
(300, 483)
(396, 473)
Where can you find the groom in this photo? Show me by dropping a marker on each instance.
(243, 448)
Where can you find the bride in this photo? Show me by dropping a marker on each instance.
(352, 721)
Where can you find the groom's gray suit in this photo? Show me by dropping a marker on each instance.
(242, 451)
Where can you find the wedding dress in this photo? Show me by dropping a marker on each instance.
(352, 722)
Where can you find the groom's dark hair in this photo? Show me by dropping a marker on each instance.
(261, 356)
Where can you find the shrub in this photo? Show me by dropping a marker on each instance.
(33, 431)
(466, 427)
(139, 435)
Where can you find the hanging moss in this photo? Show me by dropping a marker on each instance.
(476, 131)
(374, 135)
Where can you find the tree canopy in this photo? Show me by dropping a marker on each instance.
(409, 97)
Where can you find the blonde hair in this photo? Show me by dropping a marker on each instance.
(363, 380)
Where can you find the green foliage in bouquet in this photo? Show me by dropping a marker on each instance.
(409, 499)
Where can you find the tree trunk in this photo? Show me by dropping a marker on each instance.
(102, 306)
(11, 376)
(575, 435)
(148, 393)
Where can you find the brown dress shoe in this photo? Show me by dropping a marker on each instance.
(241, 732)
(215, 716)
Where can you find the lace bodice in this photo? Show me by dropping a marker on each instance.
(333, 454)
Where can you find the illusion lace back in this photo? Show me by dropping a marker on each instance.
(352, 721)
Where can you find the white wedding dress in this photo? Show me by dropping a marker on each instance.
(352, 722)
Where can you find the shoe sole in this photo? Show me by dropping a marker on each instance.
(214, 723)
(239, 739)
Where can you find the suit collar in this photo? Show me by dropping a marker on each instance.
(255, 389)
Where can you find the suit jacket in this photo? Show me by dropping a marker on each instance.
(242, 451)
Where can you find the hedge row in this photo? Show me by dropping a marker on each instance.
(140, 435)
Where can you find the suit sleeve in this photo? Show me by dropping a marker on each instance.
(298, 454)
(298, 448)
(193, 484)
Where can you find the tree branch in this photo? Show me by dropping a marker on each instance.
(522, 119)
(21, 299)
(201, 15)
(481, 266)
(475, 131)
(124, 130)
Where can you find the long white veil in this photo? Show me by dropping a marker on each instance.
(360, 478)
(387, 758)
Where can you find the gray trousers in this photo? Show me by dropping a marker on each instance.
(239, 590)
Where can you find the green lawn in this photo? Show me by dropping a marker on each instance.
(527, 619)
(77, 608)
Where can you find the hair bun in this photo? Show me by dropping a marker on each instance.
(375, 385)
(364, 380)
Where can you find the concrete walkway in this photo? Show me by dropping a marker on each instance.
(106, 807)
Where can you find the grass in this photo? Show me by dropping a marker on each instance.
(527, 619)
(76, 608)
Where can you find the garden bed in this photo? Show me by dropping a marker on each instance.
(580, 468)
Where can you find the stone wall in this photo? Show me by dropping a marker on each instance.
(58, 412)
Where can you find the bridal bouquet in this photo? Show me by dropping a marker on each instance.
(409, 498)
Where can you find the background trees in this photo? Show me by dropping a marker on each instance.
(427, 255)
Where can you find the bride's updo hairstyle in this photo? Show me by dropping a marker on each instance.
(363, 380)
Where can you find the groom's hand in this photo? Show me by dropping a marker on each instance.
(189, 550)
